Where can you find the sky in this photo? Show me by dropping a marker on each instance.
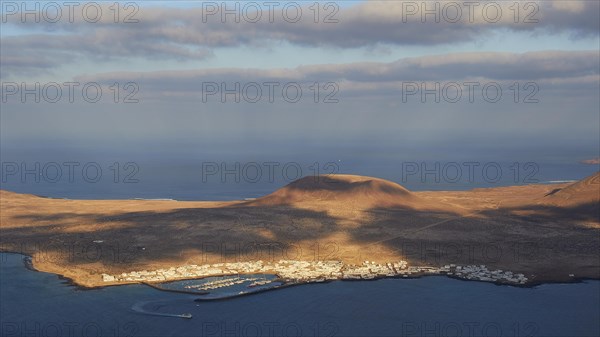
(435, 80)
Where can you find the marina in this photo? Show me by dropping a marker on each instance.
(222, 287)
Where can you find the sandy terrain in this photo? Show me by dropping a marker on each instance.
(544, 231)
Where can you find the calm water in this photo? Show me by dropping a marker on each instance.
(241, 285)
(120, 176)
(40, 304)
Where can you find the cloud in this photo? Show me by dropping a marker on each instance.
(98, 46)
(551, 70)
(194, 33)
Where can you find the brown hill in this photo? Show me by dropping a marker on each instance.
(580, 200)
(345, 189)
(585, 191)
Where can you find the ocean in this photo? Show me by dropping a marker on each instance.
(40, 304)
(233, 178)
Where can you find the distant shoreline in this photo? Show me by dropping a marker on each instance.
(243, 199)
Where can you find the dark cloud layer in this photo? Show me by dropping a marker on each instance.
(574, 70)
(192, 34)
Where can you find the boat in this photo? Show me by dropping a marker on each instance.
(188, 315)
(259, 283)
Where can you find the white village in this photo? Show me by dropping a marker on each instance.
(292, 271)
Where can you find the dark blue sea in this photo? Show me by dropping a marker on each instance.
(40, 304)
(235, 177)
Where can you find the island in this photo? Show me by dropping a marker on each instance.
(316, 229)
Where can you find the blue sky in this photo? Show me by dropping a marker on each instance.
(369, 54)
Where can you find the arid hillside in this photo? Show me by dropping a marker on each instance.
(546, 231)
(341, 188)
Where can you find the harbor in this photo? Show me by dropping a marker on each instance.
(241, 278)
(222, 287)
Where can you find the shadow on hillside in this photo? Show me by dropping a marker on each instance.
(239, 231)
(230, 232)
(330, 183)
(588, 212)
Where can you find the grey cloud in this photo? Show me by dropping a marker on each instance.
(182, 33)
(569, 70)
(35, 52)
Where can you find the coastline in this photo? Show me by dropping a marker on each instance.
(546, 234)
(391, 293)
(28, 264)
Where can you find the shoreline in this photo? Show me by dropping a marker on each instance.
(28, 264)
(245, 199)
(528, 235)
